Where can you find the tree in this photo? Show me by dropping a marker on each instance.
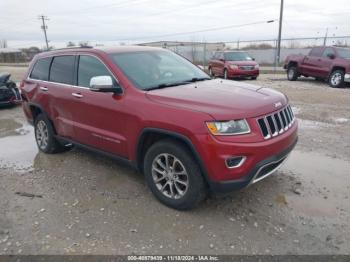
(70, 44)
(84, 43)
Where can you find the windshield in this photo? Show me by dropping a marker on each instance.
(157, 69)
(344, 53)
(237, 56)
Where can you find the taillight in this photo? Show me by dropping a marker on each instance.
(21, 84)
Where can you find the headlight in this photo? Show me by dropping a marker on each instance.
(233, 127)
(234, 66)
(256, 67)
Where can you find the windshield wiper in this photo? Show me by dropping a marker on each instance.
(164, 85)
(160, 86)
(197, 79)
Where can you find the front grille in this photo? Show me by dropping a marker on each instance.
(276, 123)
(246, 67)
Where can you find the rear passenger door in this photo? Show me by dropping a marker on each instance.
(99, 120)
(59, 88)
(38, 81)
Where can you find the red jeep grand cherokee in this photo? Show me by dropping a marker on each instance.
(187, 133)
(233, 64)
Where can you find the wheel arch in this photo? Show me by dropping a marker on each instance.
(292, 63)
(149, 136)
(36, 110)
(336, 67)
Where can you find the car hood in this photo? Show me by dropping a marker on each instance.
(222, 99)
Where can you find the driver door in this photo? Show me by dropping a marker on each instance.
(99, 116)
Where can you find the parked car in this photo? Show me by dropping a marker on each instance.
(9, 93)
(233, 64)
(188, 134)
(327, 63)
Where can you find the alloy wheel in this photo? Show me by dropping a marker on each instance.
(170, 176)
(290, 73)
(42, 134)
(336, 79)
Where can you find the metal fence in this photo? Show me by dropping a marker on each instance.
(264, 51)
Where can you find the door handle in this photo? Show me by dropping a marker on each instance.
(44, 89)
(77, 95)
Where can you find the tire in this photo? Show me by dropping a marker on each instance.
(164, 185)
(292, 73)
(211, 72)
(336, 79)
(225, 74)
(45, 136)
(254, 77)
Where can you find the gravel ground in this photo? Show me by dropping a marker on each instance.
(82, 203)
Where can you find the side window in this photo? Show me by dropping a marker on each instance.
(41, 69)
(328, 51)
(62, 69)
(89, 67)
(316, 51)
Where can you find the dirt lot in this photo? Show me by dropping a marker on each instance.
(84, 203)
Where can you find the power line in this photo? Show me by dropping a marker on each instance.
(44, 28)
(200, 31)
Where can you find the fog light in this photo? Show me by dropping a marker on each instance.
(234, 162)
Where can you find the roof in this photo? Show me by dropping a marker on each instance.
(108, 50)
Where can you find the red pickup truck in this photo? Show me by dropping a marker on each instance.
(328, 63)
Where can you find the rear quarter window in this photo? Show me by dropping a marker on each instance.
(41, 69)
(62, 69)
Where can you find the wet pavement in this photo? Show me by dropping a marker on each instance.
(79, 202)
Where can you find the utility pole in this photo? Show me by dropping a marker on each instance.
(325, 38)
(44, 28)
(279, 35)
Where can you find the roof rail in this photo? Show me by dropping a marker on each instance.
(73, 47)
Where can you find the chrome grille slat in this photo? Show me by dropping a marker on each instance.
(276, 123)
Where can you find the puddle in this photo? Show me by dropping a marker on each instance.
(18, 149)
(325, 182)
(8, 127)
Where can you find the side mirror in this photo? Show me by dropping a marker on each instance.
(331, 56)
(222, 60)
(253, 58)
(104, 84)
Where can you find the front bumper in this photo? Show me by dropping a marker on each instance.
(242, 73)
(12, 101)
(260, 171)
(262, 158)
(347, 78)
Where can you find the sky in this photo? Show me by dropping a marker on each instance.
(136, 21)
